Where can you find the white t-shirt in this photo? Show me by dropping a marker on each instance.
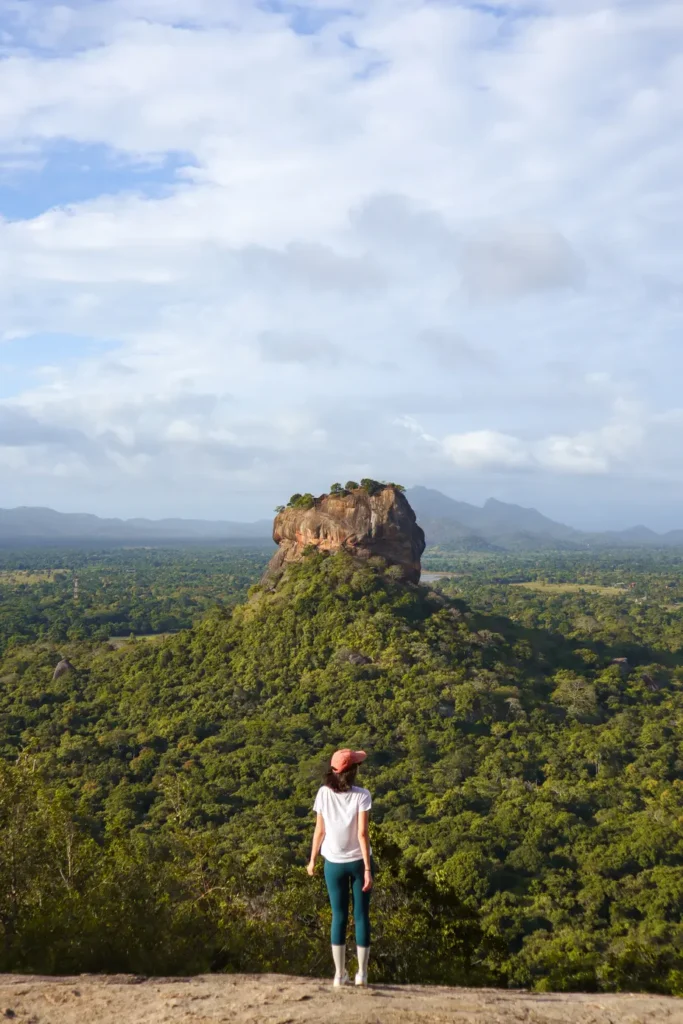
(340, 814)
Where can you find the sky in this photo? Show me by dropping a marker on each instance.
(251, 248)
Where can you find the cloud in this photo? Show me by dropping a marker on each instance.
(397, 221)
(587, 452)
(507, 262)
(170, 441)
(451, 349)
(595, 451)
(318, 267)
(18, 429)
(520, 212)
(282, 347)
(478, 449)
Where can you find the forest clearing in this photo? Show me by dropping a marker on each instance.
(569, 588)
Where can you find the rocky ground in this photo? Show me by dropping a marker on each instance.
(276, 999)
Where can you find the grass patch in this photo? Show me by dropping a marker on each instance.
(121, 641)
(29, 577)
(569, 588)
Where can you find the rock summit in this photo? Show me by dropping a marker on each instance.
(370, 519)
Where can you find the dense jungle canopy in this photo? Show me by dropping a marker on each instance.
(155, 802)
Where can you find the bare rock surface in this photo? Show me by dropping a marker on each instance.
(62, 668)
(360, 523)
(278, 999)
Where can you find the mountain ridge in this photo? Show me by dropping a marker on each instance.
(447, 522)
(501, 526)
(29, 522)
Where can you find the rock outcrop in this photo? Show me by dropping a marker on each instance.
(111, 999)
(364, 524)
(62, 668)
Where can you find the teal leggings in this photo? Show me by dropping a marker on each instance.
(340, 879)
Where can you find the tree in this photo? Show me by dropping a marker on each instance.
(371, 486)
(575, 694)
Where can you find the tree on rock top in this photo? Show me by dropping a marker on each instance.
(303, 501)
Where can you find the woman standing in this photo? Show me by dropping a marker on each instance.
(341, 835)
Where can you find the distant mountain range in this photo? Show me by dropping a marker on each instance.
(497, 526)
(43, 524)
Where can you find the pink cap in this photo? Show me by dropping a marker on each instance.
(343, 759)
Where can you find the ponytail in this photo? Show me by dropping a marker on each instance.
(341, 782)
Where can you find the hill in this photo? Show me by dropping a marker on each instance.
(155, 802)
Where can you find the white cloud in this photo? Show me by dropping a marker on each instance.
(587, 452)
(596, 451)
(483, 448)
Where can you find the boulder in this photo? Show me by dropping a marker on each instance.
(349, 656)
(366, 525)
(62, 668)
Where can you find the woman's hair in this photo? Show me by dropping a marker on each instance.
(341, 782)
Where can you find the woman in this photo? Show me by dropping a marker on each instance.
(341, 835)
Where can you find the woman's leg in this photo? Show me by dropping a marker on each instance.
(361, 915)
(337, 879)
(361, 904)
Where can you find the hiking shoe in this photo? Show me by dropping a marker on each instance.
(344, 980)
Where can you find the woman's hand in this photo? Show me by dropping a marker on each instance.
(367, 882)
(318, 837)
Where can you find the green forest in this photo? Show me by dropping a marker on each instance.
(523, 718)
(77, 594)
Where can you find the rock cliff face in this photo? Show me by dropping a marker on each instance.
(363, 524)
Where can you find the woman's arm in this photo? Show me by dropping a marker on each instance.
(364, 842)
(318, 836)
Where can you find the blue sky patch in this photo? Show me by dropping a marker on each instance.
(73, 173)
(502, 11)
(22, 360)
(305, 21)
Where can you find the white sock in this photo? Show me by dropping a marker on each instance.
(339, 957)
(363, 957)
